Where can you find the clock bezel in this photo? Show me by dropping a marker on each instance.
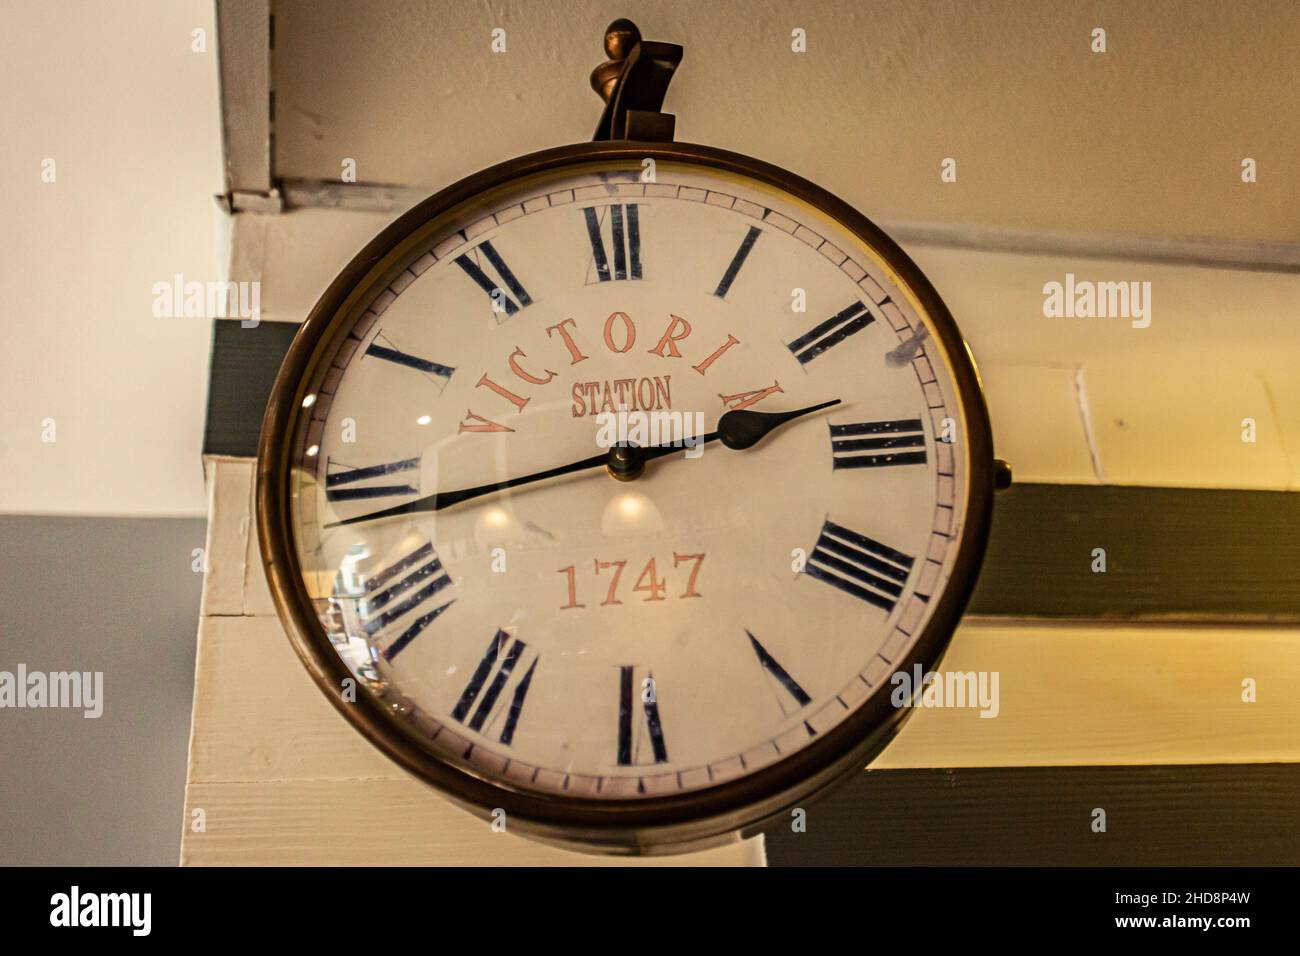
(676, 823)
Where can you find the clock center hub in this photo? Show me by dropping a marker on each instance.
(626, 462)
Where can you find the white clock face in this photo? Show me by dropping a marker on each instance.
(584, 636)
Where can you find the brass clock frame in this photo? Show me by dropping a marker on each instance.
(677, 823)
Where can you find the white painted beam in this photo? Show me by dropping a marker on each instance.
(244, 55)
(280, 777)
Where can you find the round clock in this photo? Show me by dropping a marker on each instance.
(606, 489)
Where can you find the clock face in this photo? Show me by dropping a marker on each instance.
(585, 637)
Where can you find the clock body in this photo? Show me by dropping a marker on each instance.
(646, 665)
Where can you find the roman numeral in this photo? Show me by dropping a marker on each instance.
(831, 332)
(737, 261)
(487, 695)
(881, 445)
(354, 484)
(782, 676)
(859, 565)
(398, 357)
(471, 263)
(742, 400)
(628, 695)
(625, 224)
(405, 587)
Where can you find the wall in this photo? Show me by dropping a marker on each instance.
(116, 595)
(115, 96)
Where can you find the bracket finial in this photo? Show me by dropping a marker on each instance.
(633, 83)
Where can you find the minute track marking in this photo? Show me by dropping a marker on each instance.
(737, 429)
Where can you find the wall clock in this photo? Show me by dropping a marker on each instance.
(606, 489)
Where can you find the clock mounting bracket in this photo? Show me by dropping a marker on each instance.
(633, 83)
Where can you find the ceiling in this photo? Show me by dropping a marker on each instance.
(1145, 139)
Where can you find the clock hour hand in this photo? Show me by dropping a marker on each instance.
(743, 428)
(737, 429)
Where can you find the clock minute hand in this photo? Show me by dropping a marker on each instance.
(737, 429)
(445, 499)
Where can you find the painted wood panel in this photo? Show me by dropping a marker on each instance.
(280, 775)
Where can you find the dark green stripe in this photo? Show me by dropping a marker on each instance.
(243, 369)
(1177, 553)
(1215, 815)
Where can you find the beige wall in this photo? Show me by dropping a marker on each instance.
(114, 95)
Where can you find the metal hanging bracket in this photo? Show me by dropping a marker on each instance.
(633, 83)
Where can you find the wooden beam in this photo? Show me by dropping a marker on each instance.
(280, 778)
(1278, 257)
(244, 55)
